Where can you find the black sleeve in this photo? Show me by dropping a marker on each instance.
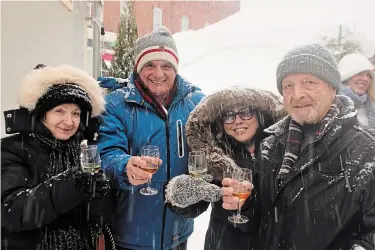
(192, 211)
(25, 205)
(366, 240)
(100, 210)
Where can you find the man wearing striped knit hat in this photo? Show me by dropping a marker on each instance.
(151, 110)
(315, 184)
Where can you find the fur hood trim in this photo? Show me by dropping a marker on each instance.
(35, 84)
(201, 127)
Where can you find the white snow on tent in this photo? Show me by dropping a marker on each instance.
(245, 48)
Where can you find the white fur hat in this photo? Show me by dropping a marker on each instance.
(36, 84)
(352, 64)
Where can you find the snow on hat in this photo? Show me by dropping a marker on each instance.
(47, 87)
(311, 59)
(63, 93)
(353, 64)
(157, 45)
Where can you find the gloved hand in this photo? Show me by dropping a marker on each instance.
(183, 191)
(95, 186)
(90, 131)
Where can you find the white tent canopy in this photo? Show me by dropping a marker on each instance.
(244, 49)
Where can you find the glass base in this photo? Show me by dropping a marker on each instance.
(149, 191)
(238, 219)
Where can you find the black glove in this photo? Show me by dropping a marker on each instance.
(95, 186)
(91, 129)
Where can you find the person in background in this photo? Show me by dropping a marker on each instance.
(228, 127)
(151, 110)
(315, 181)
(47, 201)
(358, 83)
(372, 60)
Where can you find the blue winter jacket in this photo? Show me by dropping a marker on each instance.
(129, 122)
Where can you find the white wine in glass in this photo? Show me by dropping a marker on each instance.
(90, 162)
(197, 164)
(151, 151)
(90, 159)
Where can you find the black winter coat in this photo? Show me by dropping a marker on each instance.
(328, 200)
(221, 233)
(32, 203)
(204, 131)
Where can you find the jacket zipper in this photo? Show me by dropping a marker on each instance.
(168, 176)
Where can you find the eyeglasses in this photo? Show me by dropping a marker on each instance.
(244, 114)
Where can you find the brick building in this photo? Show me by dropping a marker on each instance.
(175, 15)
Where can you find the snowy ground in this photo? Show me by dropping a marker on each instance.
(196, 240)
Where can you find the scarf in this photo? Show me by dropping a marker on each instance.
(63, 155)
(361, 100)
(295, 138)
(357, 99)
(146, 94)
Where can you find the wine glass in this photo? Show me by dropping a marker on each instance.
(90, 162)
(241, 184)
(151, 151)
(90, 159)
(197, 164)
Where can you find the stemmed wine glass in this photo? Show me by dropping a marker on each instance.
(241, 184)
(90, 161)
(151, 151)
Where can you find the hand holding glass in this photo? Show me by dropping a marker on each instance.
(241, 184)
(150, 151)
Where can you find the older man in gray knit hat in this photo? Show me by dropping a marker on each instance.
(151, 110)
(315, 185)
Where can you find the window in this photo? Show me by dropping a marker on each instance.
(184, 23)
(90, 43)
(158, 17)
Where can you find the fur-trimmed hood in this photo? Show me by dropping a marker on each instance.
(203, 131)
(35, 84)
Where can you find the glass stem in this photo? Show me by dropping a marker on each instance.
(239, 210)
(148, 184)
(93, 185)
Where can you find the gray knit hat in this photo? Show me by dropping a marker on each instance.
(311, 59)
(157, 45)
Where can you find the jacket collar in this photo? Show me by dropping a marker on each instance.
(348, 111)
(332, 134)
(183, 88)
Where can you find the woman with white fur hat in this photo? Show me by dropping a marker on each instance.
(47, 201)
(358, 79)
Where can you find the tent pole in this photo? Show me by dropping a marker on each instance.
(97, 24)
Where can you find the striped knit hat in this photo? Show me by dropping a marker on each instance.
(157, 45)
